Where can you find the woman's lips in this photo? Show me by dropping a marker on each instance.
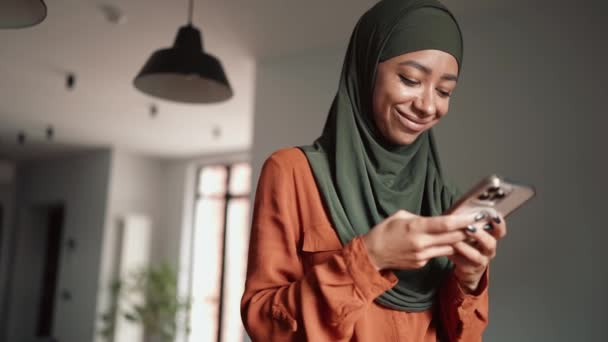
(411, 123)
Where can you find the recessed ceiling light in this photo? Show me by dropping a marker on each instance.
(50, 133)
(217, 132)
(113, 14)
(153, 111)
(21, 138)
(70, 81)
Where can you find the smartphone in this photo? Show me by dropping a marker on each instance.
(495, 193)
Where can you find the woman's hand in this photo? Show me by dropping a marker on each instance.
(408, 241)
(472, 258)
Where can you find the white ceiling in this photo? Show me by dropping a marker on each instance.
(105, 110)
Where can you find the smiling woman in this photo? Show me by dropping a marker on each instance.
(349, 241)
(412, 93)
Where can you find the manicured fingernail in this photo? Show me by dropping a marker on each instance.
(480, 217)
(471, 229)
(488, 226)
(497, 219)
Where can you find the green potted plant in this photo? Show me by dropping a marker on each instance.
(148, 297)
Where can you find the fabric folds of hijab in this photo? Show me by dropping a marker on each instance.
(361, 178)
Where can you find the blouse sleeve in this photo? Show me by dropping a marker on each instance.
(281, 302)
(464, 316)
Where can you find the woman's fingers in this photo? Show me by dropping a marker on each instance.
(434, 252)
(403, 214)
(448, 238)
(484, 242)
(494, 223)
(497, 227)
(445, 223)
(471, 254)
(458, 259)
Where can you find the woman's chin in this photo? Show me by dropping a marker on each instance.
(405, 138)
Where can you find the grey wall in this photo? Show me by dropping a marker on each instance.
(7, 199)
(293, 97)
(80, 182)
(7, 172)
(530, 106)
(29, 258)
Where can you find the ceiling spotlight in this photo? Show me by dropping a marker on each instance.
(70, 81)
(15, 14)
(21, 138)
(113, 14)
(153, 111)
(184, 72)
(50, 133)
(217, 132)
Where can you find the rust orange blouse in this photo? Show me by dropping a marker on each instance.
(304, 285)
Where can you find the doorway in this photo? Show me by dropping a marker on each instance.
(1, 231)
(35, 271)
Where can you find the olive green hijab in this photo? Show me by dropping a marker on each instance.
(361, 178)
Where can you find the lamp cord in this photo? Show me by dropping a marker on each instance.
(190, 9)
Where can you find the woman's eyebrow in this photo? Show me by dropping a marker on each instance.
(428, 71)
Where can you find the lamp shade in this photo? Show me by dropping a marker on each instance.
(21, 13)
(184, 72)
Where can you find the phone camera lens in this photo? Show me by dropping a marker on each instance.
(500, 193)
(484, 196)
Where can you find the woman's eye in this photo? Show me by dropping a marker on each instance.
(443, 93)
(408, 81)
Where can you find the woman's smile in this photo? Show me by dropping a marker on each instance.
(413, 124)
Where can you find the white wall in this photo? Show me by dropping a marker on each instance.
(135, 188)
(135, 249)
(162, 190)
(530, 106)
(80, 183)
(178, 203)
(179, 209)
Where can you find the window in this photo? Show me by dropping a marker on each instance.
(219, 252)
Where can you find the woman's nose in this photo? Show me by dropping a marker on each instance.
(425, 104)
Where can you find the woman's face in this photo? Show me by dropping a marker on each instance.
(412, 93)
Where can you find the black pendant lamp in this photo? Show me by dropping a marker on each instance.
(16, 14)
(184, 72)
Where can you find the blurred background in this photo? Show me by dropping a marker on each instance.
(109, 194)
